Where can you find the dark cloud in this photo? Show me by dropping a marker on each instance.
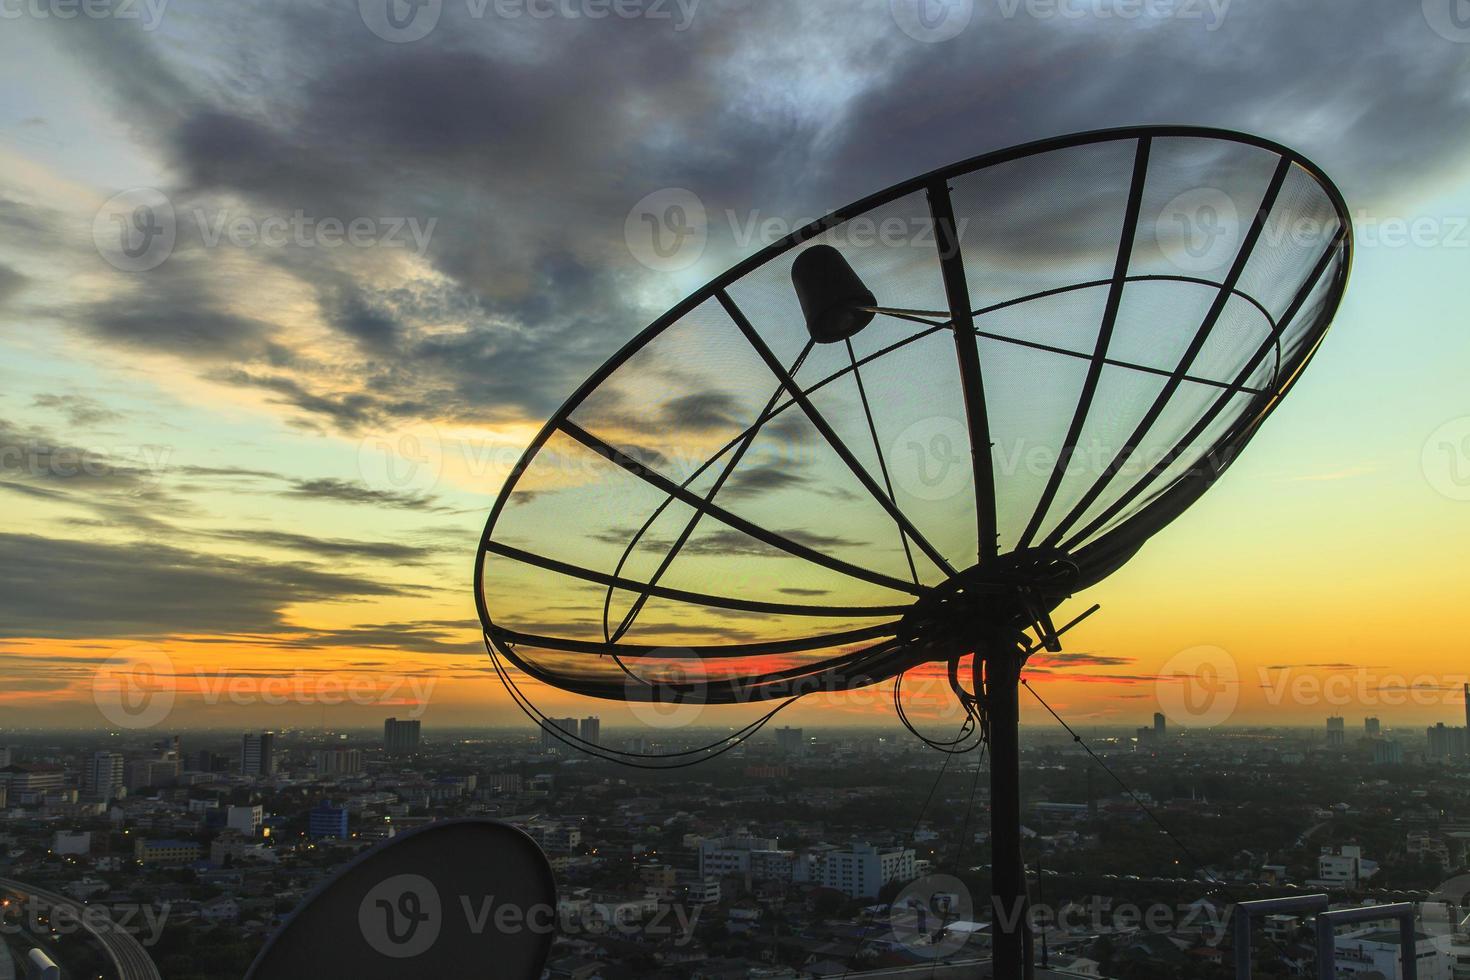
(34, 228)
(758, 480)
(173, 315)
(219, 150)
(702, 411)
(1270, 68)
(1070, 658)
(528, 141)
(38, 492)
(433, 636)
(385, 551)
(346, 492)
(755, 481)
(78, 410)
(349, 411)
(11, 283)
(34, 457)
(713, 539)
(63, 588)
(213, 471)
(374, 329)
(731, 542)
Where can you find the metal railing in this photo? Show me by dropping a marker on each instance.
(1408, 939)
(1245, 912)
(1326, 925)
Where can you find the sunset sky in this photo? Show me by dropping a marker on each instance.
(262, 464)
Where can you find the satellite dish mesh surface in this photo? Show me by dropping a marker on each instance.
(752, 501)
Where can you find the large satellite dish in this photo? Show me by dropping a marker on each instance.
(907, 432)
(430, 902)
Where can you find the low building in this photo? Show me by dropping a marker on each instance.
(1343, 867)
(166, 852)
(244, 819)
(326, 821)
(861, 870)
(555, 838)
(760, 857)
(1375, 953)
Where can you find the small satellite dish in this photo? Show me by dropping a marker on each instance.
(907, 432)
(458, 898)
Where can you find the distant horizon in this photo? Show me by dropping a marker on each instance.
(530, 730)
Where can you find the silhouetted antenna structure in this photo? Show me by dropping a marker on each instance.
(909, 431)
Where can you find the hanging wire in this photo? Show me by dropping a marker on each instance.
(959, 845)
(967, 728)
(1184, 848)
(622, 758)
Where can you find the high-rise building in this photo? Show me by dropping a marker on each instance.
(207, 761)
(790, 741)
(245, 819)
(401, 737)
(338, 762)
(762, 857)
(548, 739)
(102, 776)
(258, 754)
(1372, 728)
(1336, 733)
(327, 820)
(502, 782)
(1159, 724)
(1446, 743)
(151, 772)
(861, 870)
(591, 730)
(33, 779)
(1467, 707)
(1387, 752)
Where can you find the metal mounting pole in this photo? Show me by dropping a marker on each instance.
(999, 657)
